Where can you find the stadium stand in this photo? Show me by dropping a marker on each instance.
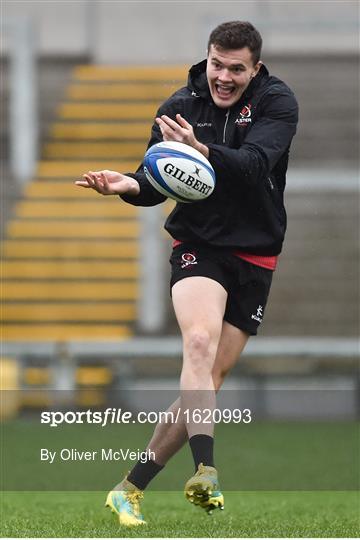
(70, 265)
(70, 257)
(54, 221)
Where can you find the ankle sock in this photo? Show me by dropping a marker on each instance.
(142, 474)
(202, 448)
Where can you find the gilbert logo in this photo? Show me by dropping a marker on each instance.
(187, 179)
(244, 117)
(259, 314)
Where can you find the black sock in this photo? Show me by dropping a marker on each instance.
(202, 447)
(143, 473)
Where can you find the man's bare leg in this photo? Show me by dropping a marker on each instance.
(168, 438)
(199, 304)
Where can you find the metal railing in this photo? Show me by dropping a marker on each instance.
(162, 347)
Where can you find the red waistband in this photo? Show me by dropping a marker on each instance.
(265, 261)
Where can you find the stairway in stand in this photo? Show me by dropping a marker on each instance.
(70, 257)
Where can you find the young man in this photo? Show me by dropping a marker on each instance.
(243, 120)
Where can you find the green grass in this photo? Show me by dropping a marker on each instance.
(264, 456)
(246, 514)
(297, 480)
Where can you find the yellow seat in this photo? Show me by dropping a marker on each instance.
(113, 111)
(107, 207)
(69, 270)
(75, 169)
(73, 229)
(67, 311)
(65, 249)
(70, 258)
(102, 92)
(93, 150)
(64, 332)
(68, 290)
(130, 73)
(93, 376)
(58, 190)
(100, 130)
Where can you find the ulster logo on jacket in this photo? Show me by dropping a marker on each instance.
(244, 117)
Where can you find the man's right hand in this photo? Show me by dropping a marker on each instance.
(109, 183)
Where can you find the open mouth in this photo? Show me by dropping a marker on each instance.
(224, 91)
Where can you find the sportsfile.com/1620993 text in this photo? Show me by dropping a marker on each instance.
(119, 416)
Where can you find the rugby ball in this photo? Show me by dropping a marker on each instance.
(179, 171)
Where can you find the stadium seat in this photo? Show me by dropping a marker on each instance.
(70, 257)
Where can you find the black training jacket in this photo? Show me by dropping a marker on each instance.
(248, 149)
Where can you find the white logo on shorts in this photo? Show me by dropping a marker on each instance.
(259, 314)
(188, 259)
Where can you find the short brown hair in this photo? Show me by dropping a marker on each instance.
(237, 35)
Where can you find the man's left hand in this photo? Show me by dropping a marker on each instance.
(180, 131)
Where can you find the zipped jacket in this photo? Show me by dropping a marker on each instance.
(248, 149)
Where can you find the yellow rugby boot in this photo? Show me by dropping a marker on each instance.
(125, 502)
(203, 489)
(215, 500)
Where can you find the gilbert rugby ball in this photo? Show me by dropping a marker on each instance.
(179, 171)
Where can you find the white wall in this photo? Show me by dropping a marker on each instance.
(174, 31)
(162, 32)
(60, 25)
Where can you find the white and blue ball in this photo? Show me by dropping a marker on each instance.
(179, 171)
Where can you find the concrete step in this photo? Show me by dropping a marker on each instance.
(100, 130)
(103, 207)
(94, 150)
(62, 229)
(130, 73)
(119, 92)
(78, 312)
(66, 290)
(106, 111)
(62, 332)
(69, 249)
(76, 168)
(57, 190)
(80, 270)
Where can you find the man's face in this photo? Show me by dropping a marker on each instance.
(229, 73)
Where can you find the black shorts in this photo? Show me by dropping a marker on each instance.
(247, 285)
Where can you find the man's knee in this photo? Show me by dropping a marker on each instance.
(197, 343)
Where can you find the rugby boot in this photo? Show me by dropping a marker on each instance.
(125, 502)
(215, 500)
(203, 489)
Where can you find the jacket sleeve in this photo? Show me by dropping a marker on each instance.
(148, 195)
(268, 139)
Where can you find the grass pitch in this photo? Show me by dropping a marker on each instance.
(312, 470)
(246, 514)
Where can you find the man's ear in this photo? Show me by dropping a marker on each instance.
(256, 68)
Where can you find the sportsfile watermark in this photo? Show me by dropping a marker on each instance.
(264, 438)
(113, 415)
(103, 454)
